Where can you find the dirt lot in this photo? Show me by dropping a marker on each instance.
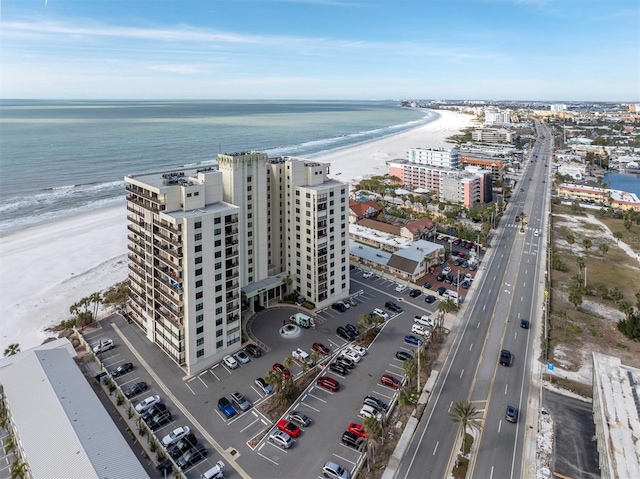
(592, 326)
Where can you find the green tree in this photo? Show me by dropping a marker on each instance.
(604, 248)
(575, 298)
(616, 294)
(570, 239)
(18, 469)
(580, 263)
(627, 225)
(410, 368)
(96, 300)
(602, 291)
(626, 307)
(586, 244)
(618, 236)
(12, 349)
(466, 415)
(374, 431)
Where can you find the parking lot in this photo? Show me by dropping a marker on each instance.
(193, 401)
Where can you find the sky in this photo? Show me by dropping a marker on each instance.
(547, 50)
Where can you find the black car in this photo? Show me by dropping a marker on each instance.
(457, 262)
(524, 323)
(404, 356)
(182, 446)
(193, 455)
(414, 293)
(449, 278)
(505, 357)
(346, 362)
(353, 329)
(165, 467)
(254, 350)
(153, 410)
(441, 277)
(136, 389)
(339, 368)
(161, 419)
(441, 290)
(351, 440)
(122, 369)
(429, 298)
(390, 305)
(427, 285)
(376, 402)
(344, 333)
(339, 306)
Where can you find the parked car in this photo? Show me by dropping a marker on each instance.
(175, 435)
(427, 285)
(215, 472)
(524, 323)
(339, 306)
(382, 313)
(351, 355)
(352, 440)
(357, 429)
(281, 369)
(353, 328)
(328, 383)
(240, 401)
(357, 349)
(262, 384)
(466, 284)
(473, 267)
(441, 290)
(230, 362)
(404, 356)
(511, 414)
(413, 340)
(334, 471)
(369, 411)
(153, 410)
(421, 330)
(339, 368)
(281, 439)
(400, 288)
(159, 420)
(321, 348)
(457, 261)
(505, 357)
(376, 402)
(226, 408)
(414, 293)
(288, 427)
(300, 419)
(242, 357)
(136, 389)
(165, 468)
(302, 356)
(429, 299)
(193, 455)
(389, 380)
(465, 264)
(449, 278)
(441, 276)
(367, 274)
(147, 403)
(390, 305)
(122, 369)
(344, 333)
(424, 321)
(254, 350)
(182, 446)
(345, 362)
(103, 345)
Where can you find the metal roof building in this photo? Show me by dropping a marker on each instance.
(61, 427)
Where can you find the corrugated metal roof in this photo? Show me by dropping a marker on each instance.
(63, 428)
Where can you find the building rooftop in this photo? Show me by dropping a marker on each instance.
(63, 428)
(178, 176)
(219, 207)
(418, 250)
(369, 253)
(380, 237)
(618, 388)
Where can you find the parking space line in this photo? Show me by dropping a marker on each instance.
(249, 425)
(192, 392)
(214, 374)
(319, 399)
(310, 407)
(129, 381)
(205, 384)
(397, 367)
(268, 459)
(383, 395)
(344, 458)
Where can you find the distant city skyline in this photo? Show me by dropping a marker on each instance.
(544, 50)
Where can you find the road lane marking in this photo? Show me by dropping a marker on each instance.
(478, 325)
(214, 375)
(499, 425)
(435, 448)
(450, 406)
(310, 407)
(484, 307)
(507, 291)
(461, 373)
(521, 298)
(470, 346)
(506, 388)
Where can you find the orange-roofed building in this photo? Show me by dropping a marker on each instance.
(496, 167)
(359, 211)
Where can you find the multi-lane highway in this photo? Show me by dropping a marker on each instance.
(510, 284)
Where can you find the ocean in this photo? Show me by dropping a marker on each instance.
(60, 158)
(629, 182)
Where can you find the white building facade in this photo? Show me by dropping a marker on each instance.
(434, 157)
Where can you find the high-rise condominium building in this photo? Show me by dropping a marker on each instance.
(204, 242)
(434, 157)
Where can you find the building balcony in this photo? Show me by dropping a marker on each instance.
(232, 306)
(136, 212)
(232, 296)
(230, 242)
(322, 252)
(160, 256)
(168, 281)
(322, 206)
(136, 270)
(231, 264)
(135, 259)
(134, 190)
(174, 251)
(232, 275)
(136, 220)
(230, 230)
(232, 221)
(168, 227)
(168, 271)
(146, 204)
(231, 252)
(135, 279)
(137, 240)
(174, 240)
(163, 292)
(322, 278)
(169, 311)
(139, 302)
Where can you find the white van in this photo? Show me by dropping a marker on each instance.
(215, 472)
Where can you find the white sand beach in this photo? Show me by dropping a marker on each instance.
(47, 268)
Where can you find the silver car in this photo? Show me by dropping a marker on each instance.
(281, 439)
(240, 401)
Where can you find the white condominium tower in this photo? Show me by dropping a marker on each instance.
(203, 239)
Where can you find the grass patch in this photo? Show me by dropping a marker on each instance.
(460, 469)
(466, 446)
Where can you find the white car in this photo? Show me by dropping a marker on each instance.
(302, 356)
(468, 277)
(358, 349)
(440, 237)
(446, 269)
(400, 288)
(352, 355)
(367, 274)
(230, 362)
(104, 345)
(147, 403)
(215, 472)
(370, 411)
(175, 435)
(281, 439)
(424, 321)
(382, 313)
(536, 233)
(421, 330)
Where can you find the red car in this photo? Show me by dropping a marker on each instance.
(321, 348)
(389, 380)
(281, 369)
(328, 383)
(357, 429)
(288, 427)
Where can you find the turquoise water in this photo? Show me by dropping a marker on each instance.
(64, 157)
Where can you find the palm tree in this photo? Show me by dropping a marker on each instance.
(586, 244)
(18, 469)
(604, 248)
(96, 299)
(523, 218)
(602, 291)
(373, 428)
(626, 307)
(575, 298)
(580, 263)
(570, 239)
(618, 236)
(12, 349)
(410, 368)
(616, 294)
(464, 413)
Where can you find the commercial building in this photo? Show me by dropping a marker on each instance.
(492, 135)
(616, 414)
(434, 157)
(61, 429)
(602, 196)
(204, 242)
(494, 166)
(495, 116)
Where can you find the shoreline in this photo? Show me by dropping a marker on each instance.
(58, 263)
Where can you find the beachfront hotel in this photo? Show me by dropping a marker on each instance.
(208, 243)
